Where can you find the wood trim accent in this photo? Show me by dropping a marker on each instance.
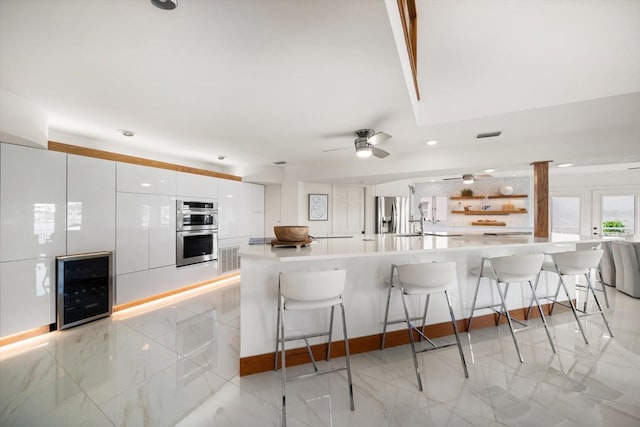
(409, 19)
(541, 197)
(107, 155)
(11, 339)
(135, 303)
(299, 356)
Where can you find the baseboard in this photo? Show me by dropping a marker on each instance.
(298, 356)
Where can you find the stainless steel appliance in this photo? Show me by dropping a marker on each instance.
(196, 232)
(84, 285)
(392, 215)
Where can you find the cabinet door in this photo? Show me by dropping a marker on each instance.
(162, 231)
(244, 224)
(257, 198)
(27, 295)
(228, 194)
(91, 205)
(132, 232)
(145, 179)
(196, 186)
(32, 203)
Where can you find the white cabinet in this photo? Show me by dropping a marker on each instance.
(162, 231)
(27, 295)
(91, 205)
(32, 203)
(196, 186)
(132, 235)
(145, 179)
(228, 195)
(146, 232)
(241, 208)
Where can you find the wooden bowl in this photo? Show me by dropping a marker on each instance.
(291, 233)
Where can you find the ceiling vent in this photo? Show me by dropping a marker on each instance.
(488, 134)
(280, 162)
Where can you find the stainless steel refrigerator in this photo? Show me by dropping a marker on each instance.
(392, 215)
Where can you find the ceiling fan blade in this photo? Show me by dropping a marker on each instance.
(451, 179)
(483, 176)
(336, 149)
(378, 138)
(381, 154)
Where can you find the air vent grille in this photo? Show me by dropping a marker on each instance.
(228, 259)
(489, 134)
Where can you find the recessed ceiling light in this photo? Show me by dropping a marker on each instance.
(125, 132)
(221, 157)
(489, 170)
(280, 162)
(432, 142)
(565, 165)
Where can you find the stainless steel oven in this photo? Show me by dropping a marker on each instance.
(196, 215)
(196, 232)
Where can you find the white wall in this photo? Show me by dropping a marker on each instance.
(22, 122)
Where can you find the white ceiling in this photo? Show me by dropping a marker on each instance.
(260, 81)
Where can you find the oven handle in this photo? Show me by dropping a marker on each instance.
(198, 232)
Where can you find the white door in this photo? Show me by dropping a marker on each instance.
(566, 214)
(348, 209)
(615, 212)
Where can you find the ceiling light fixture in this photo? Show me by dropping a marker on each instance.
(125, 132)
(165, 4)
(280, 163)
(489, 170)
(363, 149)
(221, 157)
(565, 165)
(467, 178)
(432, 142)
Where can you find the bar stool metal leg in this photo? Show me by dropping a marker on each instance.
(508, 316)
(544, 321)
(386, 311)
(275, 354)
(347, 353)
(593, 292)
(283, 373)
(572, 306)
(330, 333)
(455, 331)
(475, 297)
(413, 345)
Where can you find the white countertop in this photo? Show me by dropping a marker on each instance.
(326, 247)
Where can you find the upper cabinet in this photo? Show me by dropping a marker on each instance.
(197, 186)
(228, 206)
(145, 179)
(91, 205)
(32, 203)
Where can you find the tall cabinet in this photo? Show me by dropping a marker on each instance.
(32, 233)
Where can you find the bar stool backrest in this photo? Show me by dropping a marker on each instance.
(577, 262)
(312, 285)
(517, 268)
(428, 275)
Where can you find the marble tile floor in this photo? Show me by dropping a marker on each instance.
(177, 365)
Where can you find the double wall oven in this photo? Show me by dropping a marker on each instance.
(196, 232)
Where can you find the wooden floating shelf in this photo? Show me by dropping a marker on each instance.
(512, 196)
(489, 212)
(489, 224)
(498, 196)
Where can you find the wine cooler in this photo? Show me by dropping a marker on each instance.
(85, 288)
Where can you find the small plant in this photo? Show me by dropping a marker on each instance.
(615, 226)
(466, 192)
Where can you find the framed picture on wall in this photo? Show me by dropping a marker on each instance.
(318, 207)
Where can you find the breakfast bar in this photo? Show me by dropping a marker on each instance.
(368, 260)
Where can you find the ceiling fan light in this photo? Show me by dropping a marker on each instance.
(467, 178)
(363, 149)
(165, 4)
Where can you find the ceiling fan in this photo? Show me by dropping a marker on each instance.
(469, 178)
(365, 143)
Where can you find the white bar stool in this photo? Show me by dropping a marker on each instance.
(574, 263)
(422, 279)
(310, 291)
(510, 269)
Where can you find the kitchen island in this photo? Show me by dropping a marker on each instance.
(367, 260)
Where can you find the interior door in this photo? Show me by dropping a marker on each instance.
(348, 209)
(615, 212)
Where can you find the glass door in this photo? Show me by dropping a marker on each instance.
(615, 213)
(565, 214)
